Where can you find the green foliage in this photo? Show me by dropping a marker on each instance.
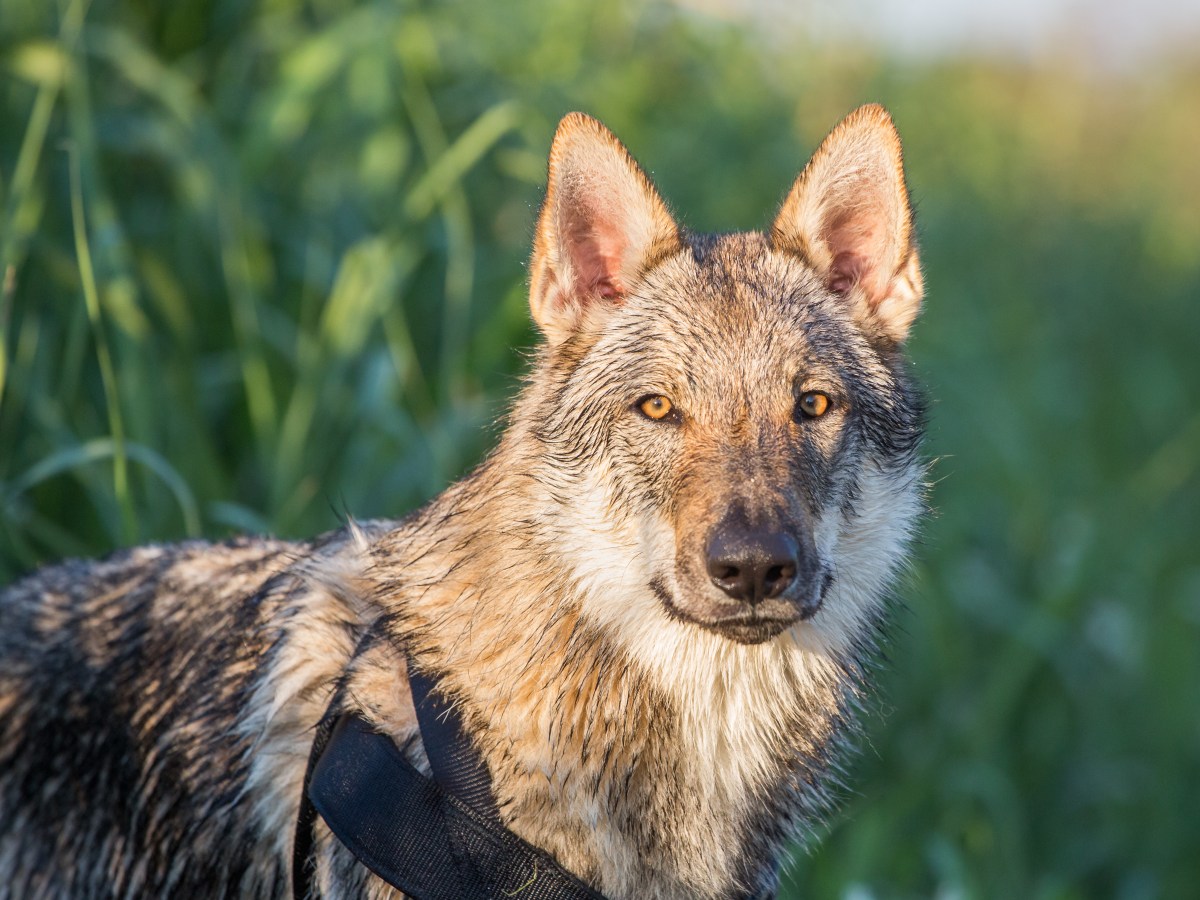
(262, 268)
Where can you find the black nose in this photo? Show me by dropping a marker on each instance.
(752, 565)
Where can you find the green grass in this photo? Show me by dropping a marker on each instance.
(263, 266)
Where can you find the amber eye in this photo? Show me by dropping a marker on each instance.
(656, 407)
(814, 404)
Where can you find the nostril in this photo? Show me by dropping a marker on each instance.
(724, 572)
(777, 579)
(725, 575)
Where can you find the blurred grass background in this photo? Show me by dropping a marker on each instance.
(263, 267)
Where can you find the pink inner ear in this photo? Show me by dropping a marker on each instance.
(606, 289)
(857, 242)
(596, 248)
(846, 271)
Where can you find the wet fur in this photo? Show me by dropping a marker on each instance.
(157, 707)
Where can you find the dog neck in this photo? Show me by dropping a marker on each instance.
(650, 757)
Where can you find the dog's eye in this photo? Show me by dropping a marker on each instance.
(814, 404)
(656, 407)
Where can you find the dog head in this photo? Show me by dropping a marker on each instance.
(727, 420)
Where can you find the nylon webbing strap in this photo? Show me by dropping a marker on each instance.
(457, 767)
(302, 845)
(418, 838)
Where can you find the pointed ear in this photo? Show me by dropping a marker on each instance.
(601, 224)
(848, 217)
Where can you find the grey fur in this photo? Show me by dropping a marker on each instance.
(156, 707)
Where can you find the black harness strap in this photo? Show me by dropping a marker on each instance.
(457, 767)
(303, 860)
(433, 839)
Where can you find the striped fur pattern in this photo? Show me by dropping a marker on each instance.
(659, 738)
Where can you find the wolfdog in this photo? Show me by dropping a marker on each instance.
(654, 606)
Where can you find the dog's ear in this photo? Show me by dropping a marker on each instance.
(848, 216)
(601, 224)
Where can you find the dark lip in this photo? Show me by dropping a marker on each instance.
(748, 630)
(743, 627)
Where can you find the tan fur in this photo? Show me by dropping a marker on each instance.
(558, 608)
(560, 594)
(624, 223)
(851, 199)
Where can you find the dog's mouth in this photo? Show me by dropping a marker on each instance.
(745, 623)
(750, 630)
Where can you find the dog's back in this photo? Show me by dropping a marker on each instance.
(121, 684)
